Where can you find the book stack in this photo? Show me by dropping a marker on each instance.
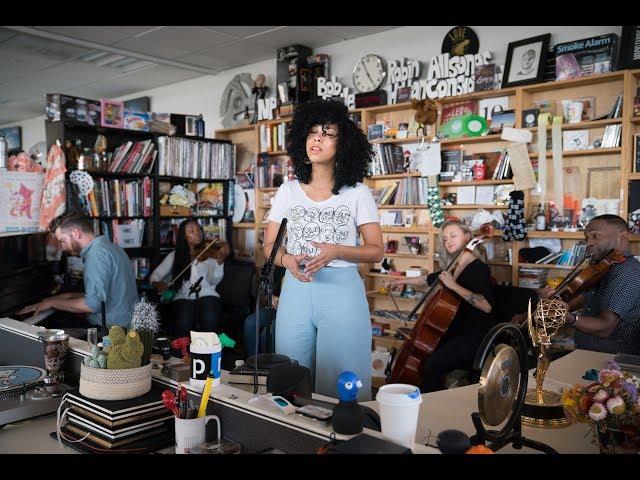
(503, 168)
(532, 277)
(119, 424)
(616, 110)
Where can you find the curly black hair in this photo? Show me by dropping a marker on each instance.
(353, 152)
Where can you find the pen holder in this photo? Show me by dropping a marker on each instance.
(205, 358)
(193, 431)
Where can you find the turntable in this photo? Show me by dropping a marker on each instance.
(23, 394)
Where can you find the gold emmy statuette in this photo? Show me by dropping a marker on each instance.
(543, 408)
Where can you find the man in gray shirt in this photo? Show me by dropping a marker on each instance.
(108, 275)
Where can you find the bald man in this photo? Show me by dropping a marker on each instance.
(607, 318)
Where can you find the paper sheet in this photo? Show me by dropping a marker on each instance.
(523, 176)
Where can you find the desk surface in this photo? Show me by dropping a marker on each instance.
(451, 409)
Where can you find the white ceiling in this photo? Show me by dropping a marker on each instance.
(59, 62)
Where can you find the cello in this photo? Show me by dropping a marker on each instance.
(434, 320)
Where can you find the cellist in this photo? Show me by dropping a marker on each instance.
(471, 280)
(607, 318)
(189, 243)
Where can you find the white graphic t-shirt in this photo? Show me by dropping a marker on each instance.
(334, 220)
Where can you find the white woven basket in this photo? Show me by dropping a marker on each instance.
(114, 384)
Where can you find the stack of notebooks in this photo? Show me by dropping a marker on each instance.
(532, 278)
(141, 422)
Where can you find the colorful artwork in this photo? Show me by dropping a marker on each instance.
(20, 199)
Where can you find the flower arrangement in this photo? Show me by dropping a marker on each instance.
(611, 406)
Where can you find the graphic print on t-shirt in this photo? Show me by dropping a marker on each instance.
(329, 225)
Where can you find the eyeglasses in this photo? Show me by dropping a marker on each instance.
(329, 133)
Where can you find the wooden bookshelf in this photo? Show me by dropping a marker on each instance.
(474, 207)
(583, 153)
(400, 207)
(582, 125)
(547, 266)
(476, 183)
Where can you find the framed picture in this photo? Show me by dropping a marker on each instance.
(575, 140)
(525, 61)
(375, 131)
(190, 128)
(112, 113)
(13, 136)
(142, 104)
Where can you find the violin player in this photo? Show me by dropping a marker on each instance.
(108, 274)
(471, 281)
(209, 265)
(607, 317)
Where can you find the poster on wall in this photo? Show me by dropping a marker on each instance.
(20, 196)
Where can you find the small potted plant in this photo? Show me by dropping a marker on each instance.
(146, 321)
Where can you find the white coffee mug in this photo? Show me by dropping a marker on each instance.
(191, 432)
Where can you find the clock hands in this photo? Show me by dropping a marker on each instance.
(367, 72)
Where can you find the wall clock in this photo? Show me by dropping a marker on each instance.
(369, 73)
(237, 100)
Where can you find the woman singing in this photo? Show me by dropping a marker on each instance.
(323, 317)
(189, 243)
(471, 280)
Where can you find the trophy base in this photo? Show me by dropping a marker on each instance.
(546, 414)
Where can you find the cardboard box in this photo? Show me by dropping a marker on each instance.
(174, 210)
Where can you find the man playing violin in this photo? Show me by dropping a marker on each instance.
(209, 266)
(608, 318)
(108, 275)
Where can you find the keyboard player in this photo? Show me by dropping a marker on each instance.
(108, 274)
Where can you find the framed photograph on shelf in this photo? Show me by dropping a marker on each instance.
(112, 113)
(525, 61)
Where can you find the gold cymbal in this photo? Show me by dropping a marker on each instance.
(498, 386)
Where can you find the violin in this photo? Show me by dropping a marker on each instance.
(441, 307)
(200, 253)
(586, 276)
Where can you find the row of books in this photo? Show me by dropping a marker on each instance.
(566, 257)
(408, 191)
(611, 137)
(272, 137)
(268, 172)
(134, 157)
(532, 277)
(182, 157)
(114, 197)
(496, 163)
(388, 159)
(503, 170)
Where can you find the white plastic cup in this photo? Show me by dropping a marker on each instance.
(191, 432)
(399, 408)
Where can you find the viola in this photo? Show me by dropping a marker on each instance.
(586, 276)
(440, 308)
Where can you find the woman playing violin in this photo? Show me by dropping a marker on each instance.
(471, 280)
(210, 266)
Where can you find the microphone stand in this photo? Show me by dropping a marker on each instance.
(265, 287)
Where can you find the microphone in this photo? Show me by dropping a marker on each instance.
(196, 286)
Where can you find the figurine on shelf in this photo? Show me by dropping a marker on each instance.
(259, 92)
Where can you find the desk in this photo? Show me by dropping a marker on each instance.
(451, 409)
(255, 425)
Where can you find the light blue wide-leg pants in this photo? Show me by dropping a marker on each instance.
(325, 325)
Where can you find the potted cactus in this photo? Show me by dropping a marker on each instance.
(146, 321)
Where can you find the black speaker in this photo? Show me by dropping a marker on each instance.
(289, 380)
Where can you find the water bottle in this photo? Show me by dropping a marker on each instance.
(3, 153)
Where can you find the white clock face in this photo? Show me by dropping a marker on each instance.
(369, 73)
